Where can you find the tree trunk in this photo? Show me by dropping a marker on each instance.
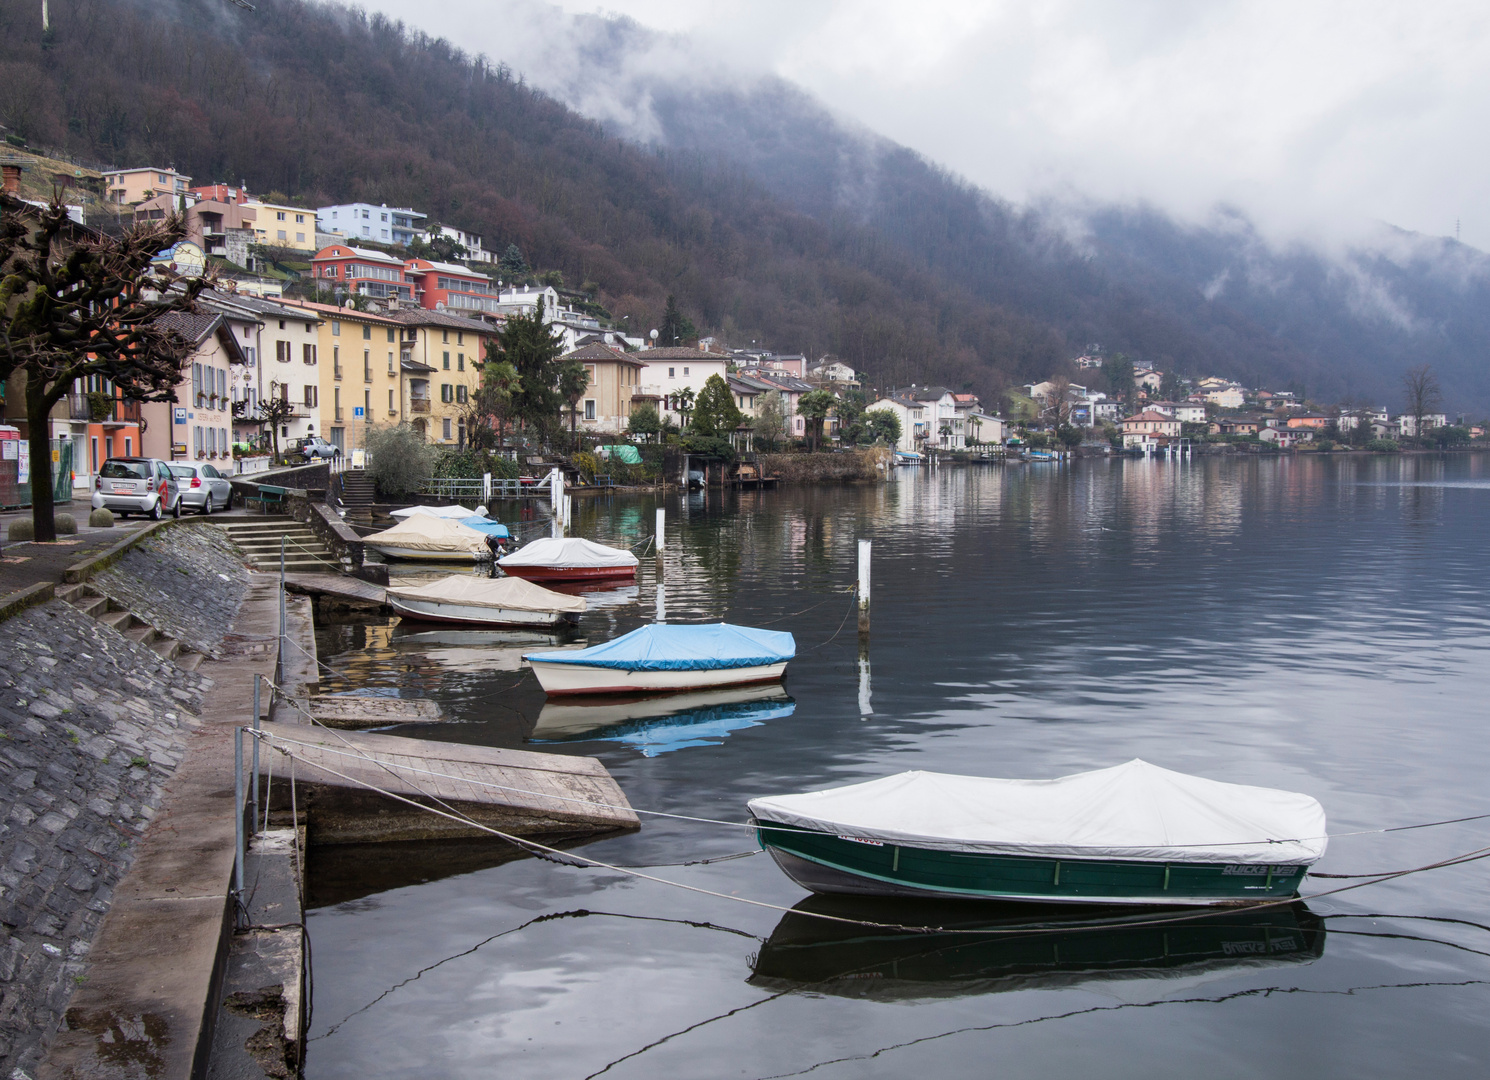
(38, 419)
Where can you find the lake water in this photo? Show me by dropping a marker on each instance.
(1311, 624)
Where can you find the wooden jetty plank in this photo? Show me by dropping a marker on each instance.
(362, 711)
(517, 791)
(338, 586)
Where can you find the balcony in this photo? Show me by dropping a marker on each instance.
(336, 373)
(338, 413)
(123, 412)
(78, 407)
(419, 405)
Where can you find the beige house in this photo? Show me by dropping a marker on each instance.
(614, 377)
(125, 187)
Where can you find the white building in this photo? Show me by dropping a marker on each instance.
(279, 344)
(1226, 397)
(1408, 424)
(363, 221)
(670, 371)
(912, 417)
(985, 430)
(470, 241)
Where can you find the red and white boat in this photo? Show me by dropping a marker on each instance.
(568, 559)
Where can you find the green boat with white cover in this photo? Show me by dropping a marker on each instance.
(1130, 834)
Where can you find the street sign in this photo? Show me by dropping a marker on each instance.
(180, 415)
(357, 412)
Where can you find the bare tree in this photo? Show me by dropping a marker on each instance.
(1421, 394)
(1058, 402)
(76, 304)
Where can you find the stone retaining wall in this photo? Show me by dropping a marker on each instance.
(92, 726)
(187, 581)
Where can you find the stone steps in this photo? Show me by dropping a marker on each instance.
(90, 601)
(259, 539)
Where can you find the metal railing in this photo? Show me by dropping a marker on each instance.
(419, 405)
(336, 372)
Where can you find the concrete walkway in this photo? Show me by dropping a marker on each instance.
(149, 1001)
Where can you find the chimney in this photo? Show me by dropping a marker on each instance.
(12, 179)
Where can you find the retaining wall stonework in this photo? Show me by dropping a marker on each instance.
(187, 581)
(92, 726)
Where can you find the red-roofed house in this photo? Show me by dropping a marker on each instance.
(1149, 428)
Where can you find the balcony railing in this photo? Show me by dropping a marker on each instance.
(338, 412)
(337, 372)
(419, 405)
(78, 407)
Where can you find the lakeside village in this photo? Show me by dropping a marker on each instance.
(325, 330)
(192, 335)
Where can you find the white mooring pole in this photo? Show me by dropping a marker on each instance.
(661, 604)
(661, 524)
(864, 546)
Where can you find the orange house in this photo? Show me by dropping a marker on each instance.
(1312, 420)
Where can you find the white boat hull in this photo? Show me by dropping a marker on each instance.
(472, 614)
(558, 679)
(392, 551)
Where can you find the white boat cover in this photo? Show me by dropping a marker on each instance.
(512, 593)
(568, 553)
(453, 512)
(421, 532)
(1135, 811)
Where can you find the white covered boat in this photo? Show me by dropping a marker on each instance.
(431, 539)
(1131, 834)
(463, 598)
(667, 658)
(568, 559)
(454, 513)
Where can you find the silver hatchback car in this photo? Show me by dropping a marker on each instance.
(135, 485)
(203, 488)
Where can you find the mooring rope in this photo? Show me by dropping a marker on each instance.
(535, 847)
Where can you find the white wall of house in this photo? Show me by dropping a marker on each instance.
(667, 378)
(912, 421)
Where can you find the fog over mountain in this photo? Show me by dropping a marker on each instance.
(1338, 311)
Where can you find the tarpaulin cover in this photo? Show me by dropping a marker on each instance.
(629, 454)
(512, 593)
(1134, 811)
(486, 527)
(421, 532)
(455, 512)
(567, 553)
(674, 647)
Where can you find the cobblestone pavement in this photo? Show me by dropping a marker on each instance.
(187, 581)
(92, 727)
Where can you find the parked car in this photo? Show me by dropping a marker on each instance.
(135, 485)
(313, 447)
(203, 488)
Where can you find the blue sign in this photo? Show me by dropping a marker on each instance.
(180, 415)
(357, 412)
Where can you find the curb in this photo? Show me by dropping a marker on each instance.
(84, 570)
(18, 601)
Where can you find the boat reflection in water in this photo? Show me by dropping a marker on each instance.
(474, 651)
(1065, 947)
(661, 724)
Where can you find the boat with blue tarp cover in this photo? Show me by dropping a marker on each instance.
(486, 526)
(664, 658)
(1131, 834)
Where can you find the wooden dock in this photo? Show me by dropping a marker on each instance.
(339, 591)
(348, 711)
(549, 797)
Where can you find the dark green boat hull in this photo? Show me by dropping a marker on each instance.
(825, 863)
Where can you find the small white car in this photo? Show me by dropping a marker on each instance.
(133, 485)
(203, 488)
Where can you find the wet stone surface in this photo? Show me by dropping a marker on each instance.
(92, 725)
(187, 581)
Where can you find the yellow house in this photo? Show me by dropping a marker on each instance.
(285, 226)
(360, 368)
(442, 357)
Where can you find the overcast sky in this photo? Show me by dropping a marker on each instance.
(1312, 116)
